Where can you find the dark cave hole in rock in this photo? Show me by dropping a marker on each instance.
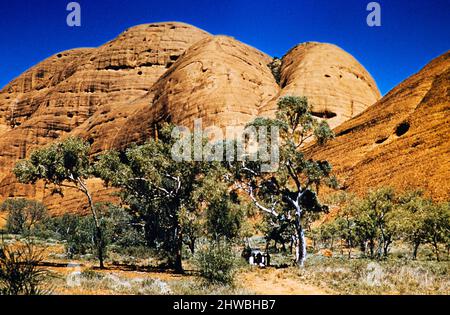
(402, 129)
(327, 76)
(324, 114)
(416, 144)
(59, 55)
(91, 141)
(381, 140)
(70, 115)
(140, 73)
(118, 67)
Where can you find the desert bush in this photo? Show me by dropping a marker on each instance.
(383, 217)
(23, 215)
(81, 241)
(76, 230)
(120, 229)
(116, 224)
(19, 271)
(437, 228)
(216, 263)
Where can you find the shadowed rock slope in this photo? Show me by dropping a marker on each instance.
(402, 141)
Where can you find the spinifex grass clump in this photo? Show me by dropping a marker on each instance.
(19, 271)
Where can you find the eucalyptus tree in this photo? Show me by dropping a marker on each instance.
(413, 211)
(168, 195)
(65, 164)
(289, 192)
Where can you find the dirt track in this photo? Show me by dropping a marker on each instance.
(271, 281)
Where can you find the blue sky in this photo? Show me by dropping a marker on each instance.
(412, 33)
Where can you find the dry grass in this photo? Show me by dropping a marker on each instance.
(322, 275)
(363, 276)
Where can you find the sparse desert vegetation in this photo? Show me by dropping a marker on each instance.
(192, 226)
(126, 274)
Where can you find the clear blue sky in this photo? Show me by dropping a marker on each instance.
(412, 33)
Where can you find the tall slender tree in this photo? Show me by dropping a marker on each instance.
(288, 193)
(64, 164)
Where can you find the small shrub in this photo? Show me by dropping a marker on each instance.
(216, 263)
(81, 240)
(23, 215)
(19, 273)
(119, 227)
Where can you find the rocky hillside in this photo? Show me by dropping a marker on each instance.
(402, 141)
(114, 95)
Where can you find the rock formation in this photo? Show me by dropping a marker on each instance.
(402, 141)
(52, 99)
(114, 95)
(336, 84)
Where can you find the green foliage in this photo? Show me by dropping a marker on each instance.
(76, 230)
(19, 271)
(382, 217)
(216, 263)
(23, 215)
(437, 227)
(116, 223)
(61, 161)
(224, 212)
(64, 164)
(81, 240)
(375, 221)
(412, 216)
(167, 197)
(119, 227)
(288, 195)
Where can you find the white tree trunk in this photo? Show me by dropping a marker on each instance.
(301, 248)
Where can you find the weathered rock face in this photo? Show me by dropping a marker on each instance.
(402, 141)
(85, 87)
(115, 94)
(336, 84)
(144, 52)
(219, 80)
